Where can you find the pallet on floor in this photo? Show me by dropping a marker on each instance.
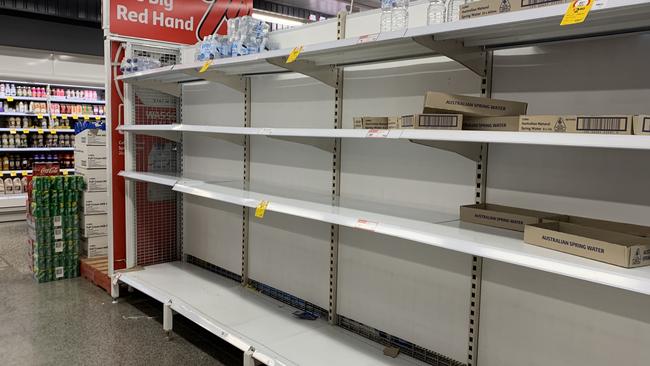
(95, 270)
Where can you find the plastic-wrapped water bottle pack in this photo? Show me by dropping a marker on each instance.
(137, 64)
(245, 36)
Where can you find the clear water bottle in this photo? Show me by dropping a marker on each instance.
(453, 9)
(436, 12)
(386, 15)
(400, 15)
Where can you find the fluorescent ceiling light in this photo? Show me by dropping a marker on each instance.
(275, 18)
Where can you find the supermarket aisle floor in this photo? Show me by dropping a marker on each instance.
(73, 322)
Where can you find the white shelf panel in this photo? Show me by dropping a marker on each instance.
(163, 179)
(75, 100)
(441, 230)
(21, 114)
(245, 318)
(519, 27)
(30, 149)
(522, 138)
(12, 201)
(34, 99)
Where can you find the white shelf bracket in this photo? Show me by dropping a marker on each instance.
(235, 139)
(471, 57)
(248, 357)
(167, 88)
(327, 74)
(168, 317)
(470, 150)
(326, 144)
(236, 82)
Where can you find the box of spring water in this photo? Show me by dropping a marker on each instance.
(607, 124)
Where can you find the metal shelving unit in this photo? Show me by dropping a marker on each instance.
(471, 43)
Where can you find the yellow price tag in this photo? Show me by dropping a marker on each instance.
(13, 174)
(40, 131)
(86, 117)
(64, 116)
(205, 67)
(98, 117)
(26, 130)
(65, 172)
(74, 116)
(53, 131)
(39, 116)
(577, 12)
(24, 173)
(10, 99)
(12, 131)
(261, 209)
(293, 56)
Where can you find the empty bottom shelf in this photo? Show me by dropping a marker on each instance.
(246, 318)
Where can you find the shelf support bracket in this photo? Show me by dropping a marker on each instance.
(248, 357)
(167, 88)
(236, 82)
(471, 57)
(470, 150)
(326, 144)
(168, 317)
(327, 74)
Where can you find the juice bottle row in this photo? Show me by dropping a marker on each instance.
(23, 107)
(80, 109)
(26, 162)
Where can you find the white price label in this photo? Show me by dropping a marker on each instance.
(58, 272)
(368, 38)
(366, 225)
(58, 234)
(599, 4)
(58, 221)
(377, 134)
(58, 246)
(266, 131)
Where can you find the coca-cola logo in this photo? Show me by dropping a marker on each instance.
(46, 169)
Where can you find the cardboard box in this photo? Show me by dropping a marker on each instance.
(95, 247)
(432, 121)
(90, 137)
(491, 7)
(94, 203)
(505, 217)
(505, 123)
(393, 123)
(642, 125)
(94, 225)
(96, 179)
(371, 123)
(90, 157)
(602, 245)
(631, 229)
(618, 125)
(435, 102)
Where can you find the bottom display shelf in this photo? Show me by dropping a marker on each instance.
(246, 318)
(95, 270)
(13, 207)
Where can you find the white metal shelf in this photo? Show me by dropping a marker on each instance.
(49, 130)
(22, 114)
(75, 100)
(245, 319)
(28, 171)
(10, 202)
(14, 97)
(478, 137)
(454, 39)
(29, 149)
(158, 178)
(441, 230)
(77, 116)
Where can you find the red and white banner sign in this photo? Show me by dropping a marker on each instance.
(178, 21)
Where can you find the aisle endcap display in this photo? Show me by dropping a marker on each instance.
(613, 247)
(483, 8)
(437, 102)
(505, 217)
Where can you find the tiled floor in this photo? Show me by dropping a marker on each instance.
(73, 322)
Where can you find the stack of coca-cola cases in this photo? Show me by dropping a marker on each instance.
(53, 222)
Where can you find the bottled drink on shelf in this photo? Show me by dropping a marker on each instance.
(386, 14)
(436, 12)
